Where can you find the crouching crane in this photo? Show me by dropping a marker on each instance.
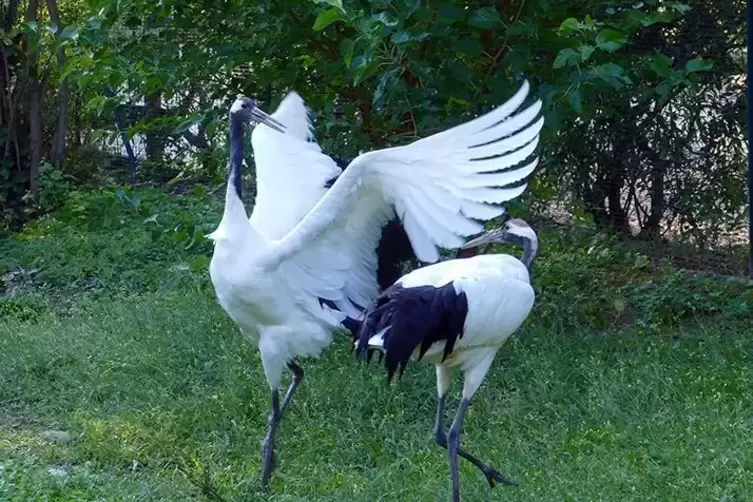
(456, 315)
(279, 290)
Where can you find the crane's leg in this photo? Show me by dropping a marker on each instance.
(454, 447)
(268, 447)
(297, 378)
(492, 476)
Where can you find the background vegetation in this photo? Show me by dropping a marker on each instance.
(644, 101)
(120, 377)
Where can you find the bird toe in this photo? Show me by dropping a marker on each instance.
(493, 476)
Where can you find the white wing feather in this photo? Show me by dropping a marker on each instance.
(291, 170)
(435, 185)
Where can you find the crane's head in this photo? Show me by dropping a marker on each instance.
(514, 231)
(245, 110)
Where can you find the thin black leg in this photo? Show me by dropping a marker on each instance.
(454, 446)
(268, 447)
(297, 378)
(491, 474)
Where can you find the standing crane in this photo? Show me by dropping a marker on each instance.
(275, 289)
(455, 314)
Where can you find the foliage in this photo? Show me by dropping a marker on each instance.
(125, 240)
(54, 187)
(112, 241)
(607, 283)
(643, 102)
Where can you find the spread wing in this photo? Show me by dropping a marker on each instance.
(291, 171)
(437, 186)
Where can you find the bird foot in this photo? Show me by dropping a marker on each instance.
(269, 462)
(493, 476)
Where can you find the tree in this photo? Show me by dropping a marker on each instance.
(642, 101)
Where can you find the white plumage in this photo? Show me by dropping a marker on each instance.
(291, 171)
(499, 299)
(272, 287)
(455, 315)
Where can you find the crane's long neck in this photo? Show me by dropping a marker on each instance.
(234, 226)
(530, 250)
(236, 156)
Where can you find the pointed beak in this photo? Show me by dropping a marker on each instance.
(487, 238)
(262, 118)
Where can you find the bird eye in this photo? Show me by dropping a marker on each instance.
(244, 105)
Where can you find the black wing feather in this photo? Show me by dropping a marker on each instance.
(413, 317)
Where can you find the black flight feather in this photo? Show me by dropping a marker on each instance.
(413, 317)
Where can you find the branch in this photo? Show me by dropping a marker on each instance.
(58, 141)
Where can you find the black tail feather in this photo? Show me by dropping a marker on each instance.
(413, 317)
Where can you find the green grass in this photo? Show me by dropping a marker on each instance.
(161, 391)
(629, 386)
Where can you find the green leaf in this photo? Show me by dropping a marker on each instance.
(612, 74)
(460, 71)
(663, 89)
(698, 64)
(520, 29)
(680, 7)
(386, 19)
(185, 125)
(566, 57)
(97, 104)
(585, 52)
(70, 32)
(201, 262)
(327, 17)
(610, 40)
(449, 12)
(346, 50)
(333, 3)
(363, 67)
(385, 81)
(641, 261)
(485, 18)
(660, 64)
(469, 46)
(403, 36)
(568, 26)
(575, 99)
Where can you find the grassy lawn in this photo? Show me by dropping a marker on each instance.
(162, 399)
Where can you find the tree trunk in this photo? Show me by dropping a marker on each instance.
(11, 14)
(35, 108)
(155, 142)
(58, 142)
(10, 98)
(616, 212)
(657, 199)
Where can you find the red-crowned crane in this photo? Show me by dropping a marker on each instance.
(456, 315)
(275, 288)
(282, 170)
